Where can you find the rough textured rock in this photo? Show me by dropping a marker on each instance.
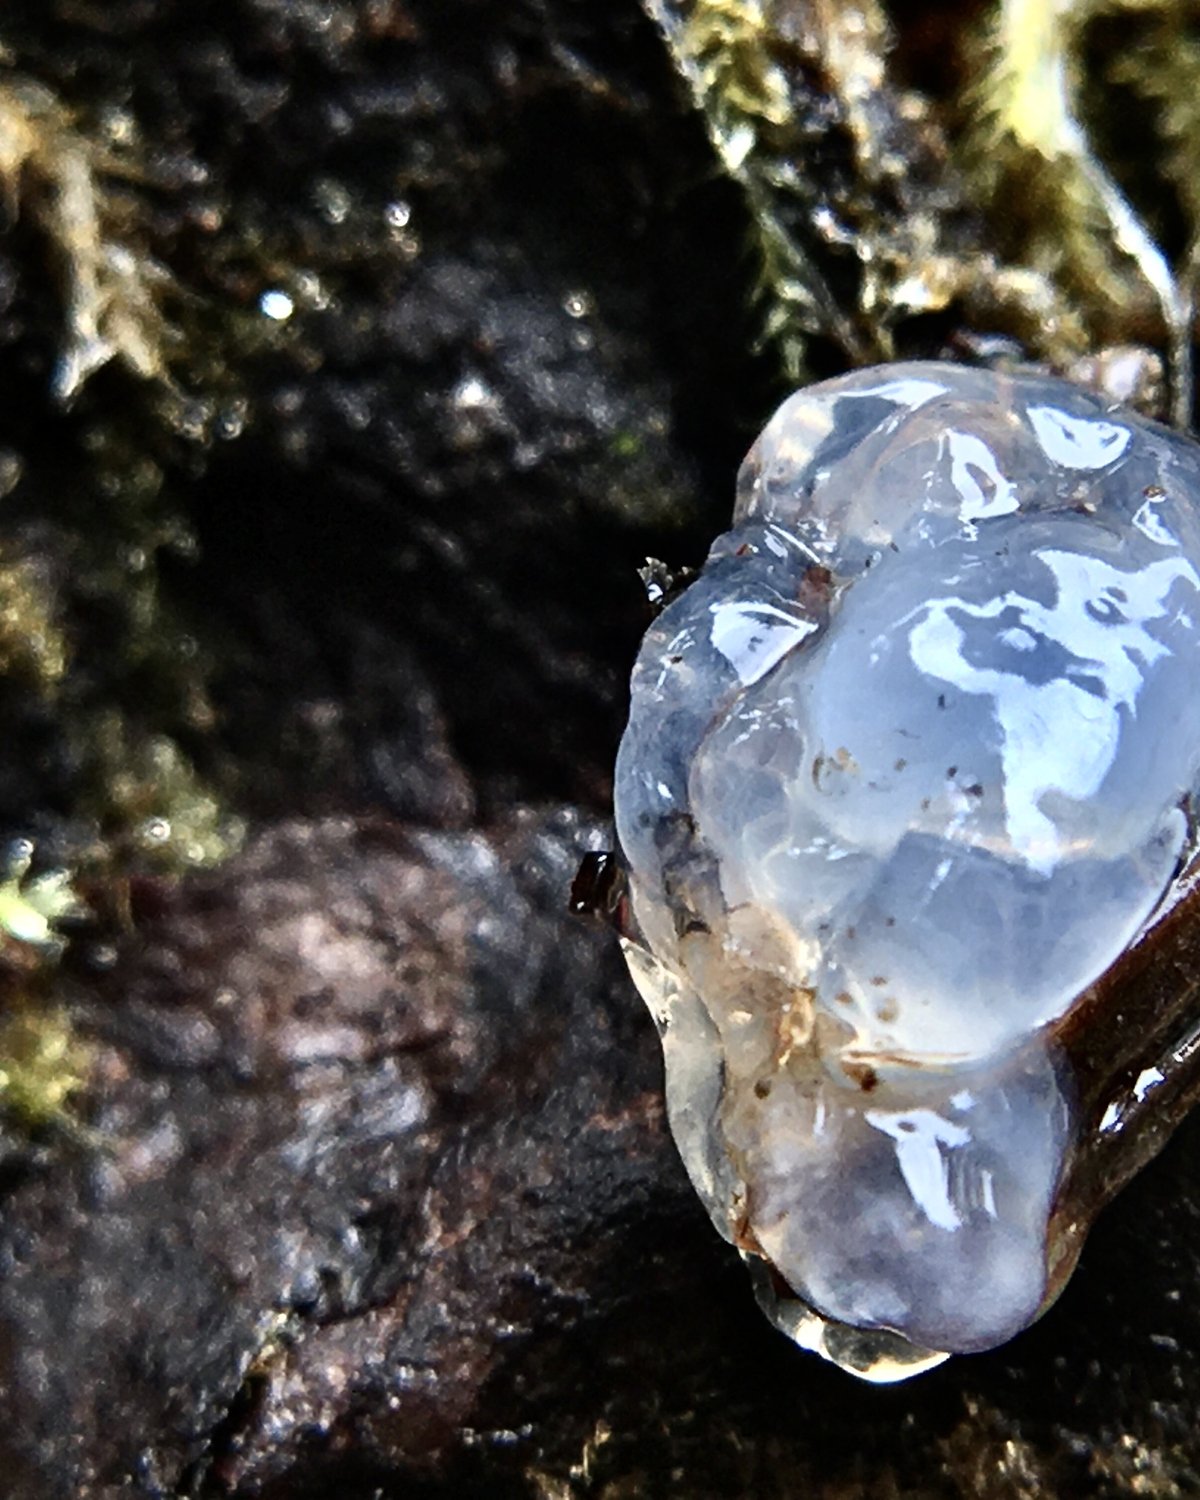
(383, 1196)
(337, 1162)
(370, 1191)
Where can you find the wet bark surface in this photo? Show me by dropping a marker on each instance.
(370, 1190)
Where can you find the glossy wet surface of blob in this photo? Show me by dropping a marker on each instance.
(907, 769)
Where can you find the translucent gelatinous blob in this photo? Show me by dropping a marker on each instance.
(908, 769)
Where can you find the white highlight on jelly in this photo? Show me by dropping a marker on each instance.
(888, 816)
(753, 637)
(1078, 442)
(1061, 734)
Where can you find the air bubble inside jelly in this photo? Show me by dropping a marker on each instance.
(908, 768)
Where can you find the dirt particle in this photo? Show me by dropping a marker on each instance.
(863, 1075)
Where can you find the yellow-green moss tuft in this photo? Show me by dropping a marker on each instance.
(112, 291)
(152, 804)
(33, 645)
(42, 1064)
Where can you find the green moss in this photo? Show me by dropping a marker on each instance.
(1032, 147)
(31, 904)
(33, 645)
(1163, 69)
(112, 291)
(42, 1064)
(748, 81)
(627, 445)
(1014, 220)
(90, 644)
(153, 806)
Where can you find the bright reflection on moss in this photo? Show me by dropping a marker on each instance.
(31, 904)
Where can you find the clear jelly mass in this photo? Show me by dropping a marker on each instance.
(907, 768)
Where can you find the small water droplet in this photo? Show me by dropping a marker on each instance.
(276, 305)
